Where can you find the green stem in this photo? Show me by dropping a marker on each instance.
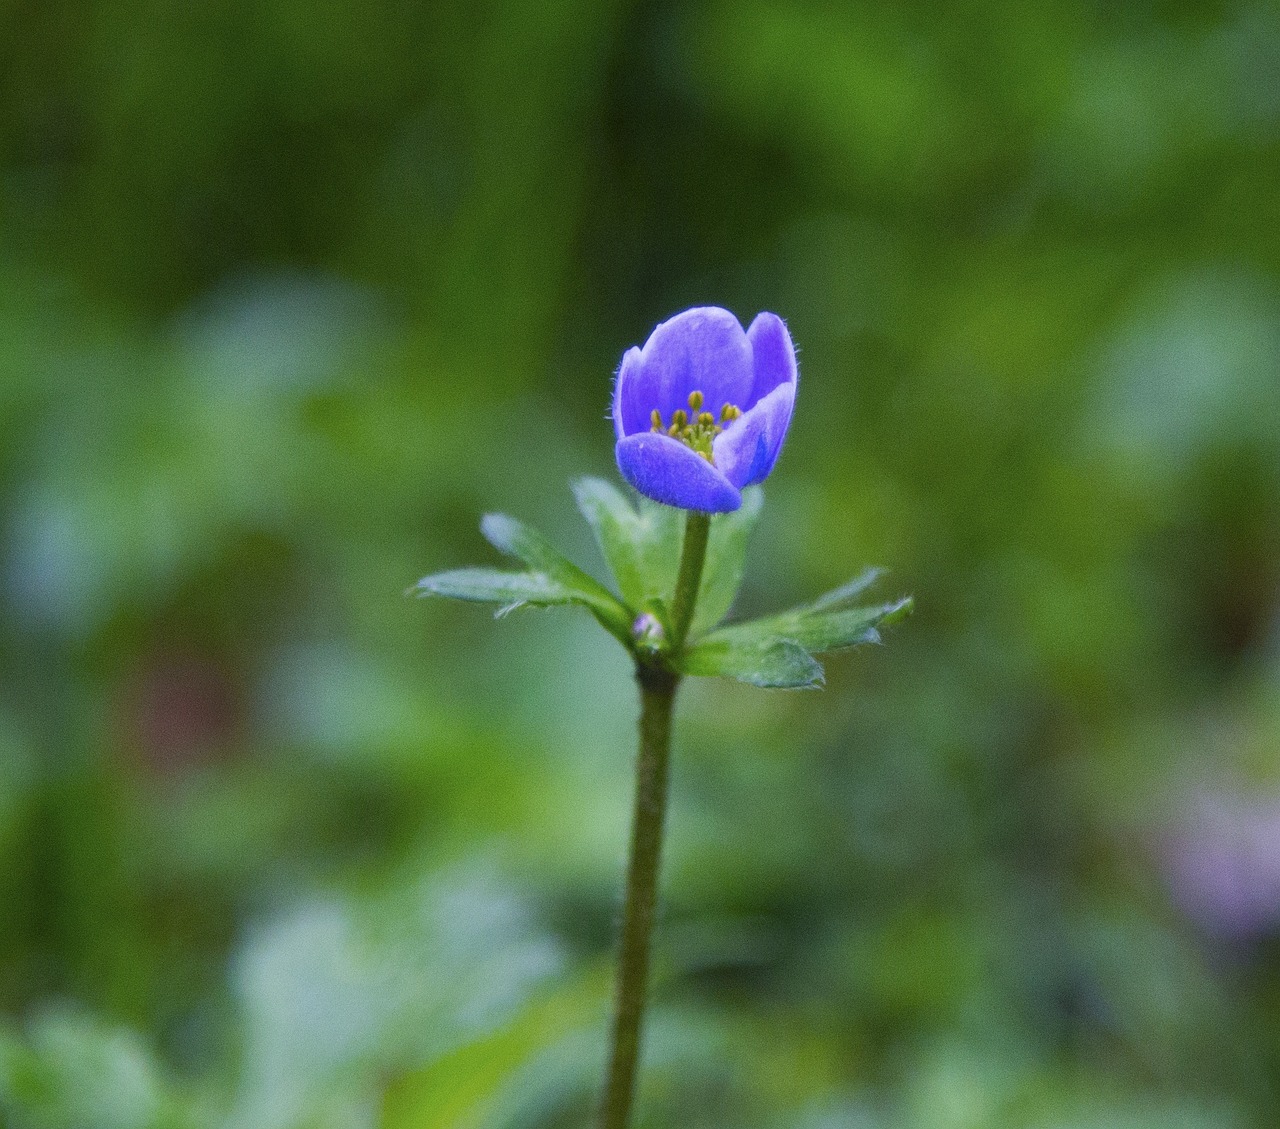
(658, 686)
(657, 696)
(696, 531)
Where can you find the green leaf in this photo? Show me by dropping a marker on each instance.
(525, 543)
(641, 547)
(776, 663)
(726, 555)
(513, 537)
(831, 622)
(552, 579)
(817, 629)
(849, 591)
(615, 525)
(778, 651)
(494, 586)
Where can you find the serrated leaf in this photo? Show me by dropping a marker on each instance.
(515, 538)
(816, 627)
(726, 556)
(830, 622)
(776, 663)
(641, 546)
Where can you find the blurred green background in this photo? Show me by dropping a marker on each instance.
(291, 292)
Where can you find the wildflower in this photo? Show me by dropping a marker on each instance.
(701, 411)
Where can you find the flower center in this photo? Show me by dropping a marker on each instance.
(696, 428)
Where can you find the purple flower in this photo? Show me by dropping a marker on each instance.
(701, 411)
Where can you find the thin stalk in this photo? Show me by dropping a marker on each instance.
(658, 686)
(692, 556)
(657, 696)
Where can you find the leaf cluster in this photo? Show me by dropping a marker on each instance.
(641, 545)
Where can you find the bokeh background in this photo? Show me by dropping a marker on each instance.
(291, 292)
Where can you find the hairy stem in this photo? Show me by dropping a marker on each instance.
(658, 686)
(657, 696)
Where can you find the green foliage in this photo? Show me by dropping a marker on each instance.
(642, 549)
(518, 540)
(726, 557)
(776, 663)
(817, 629)
(553, 579)
(641, 546)
(777, 650)
(492, 586)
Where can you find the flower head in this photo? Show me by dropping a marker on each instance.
(701, 411)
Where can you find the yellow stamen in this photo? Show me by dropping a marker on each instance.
(700, 431)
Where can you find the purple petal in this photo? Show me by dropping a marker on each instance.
(747, 449)
(773, 355)
(703, 349)
(625, 421)
(667, 471)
